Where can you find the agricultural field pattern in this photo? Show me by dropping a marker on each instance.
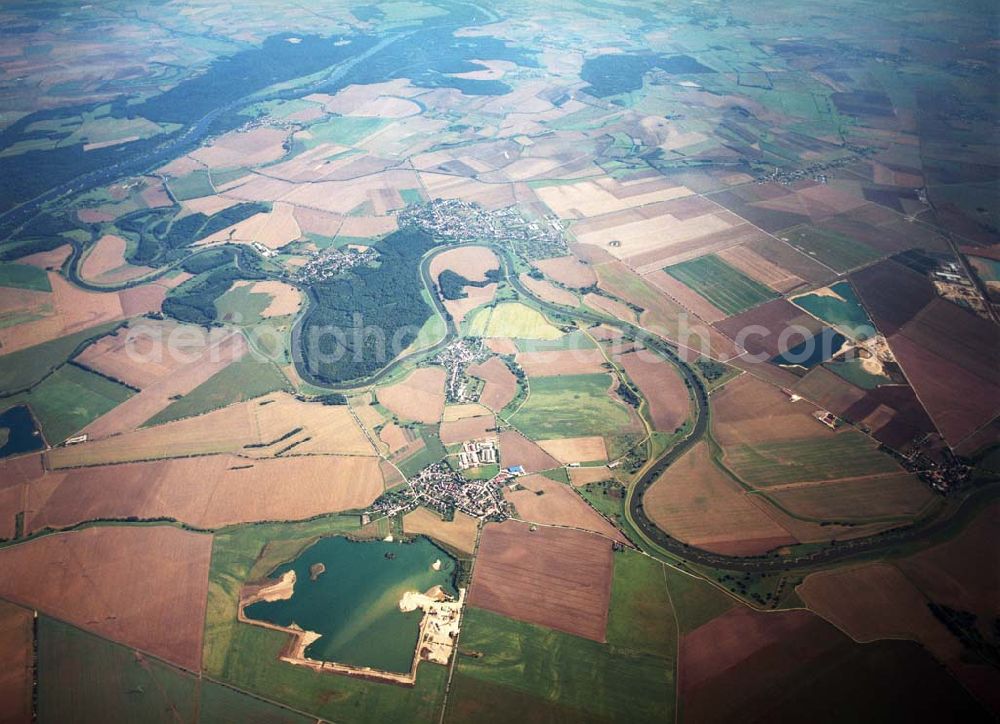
(458, 361)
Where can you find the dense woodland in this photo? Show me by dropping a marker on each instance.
(388, 298)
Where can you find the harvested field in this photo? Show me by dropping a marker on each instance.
(515, 449)
(562, 362)
(899, 495)
(419, 397)
(243, 148)
(155, 396)
(52, 259)
(273, 229)
(661, 385)
(472, 262)
(459, 533)
(145, 586)
(285, 299)
(549, 502)
(551, 577)
(105, 264)
(583, 476)
(601, 196)
(502, 345)
(501, 385)
(470, 428)
(696, 502)
(576, 449)
(829, 391)
(395, 437)
(475, 297)
(454, 413)
(70, 310)
(17, 649)
(147, 351)
(685, 296)
(611, 306)
(547, 291)
(568, 270)
(146, 298)
(205, 492)
(265, 422)
(752, 264)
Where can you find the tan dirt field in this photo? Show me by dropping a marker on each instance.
(285, 299)
(147, 297)
(477, 296)
(156, 396)
(900, 494)
(576, 449)
(472, 262)
(273, 229)
(516, 449)
(551, 577)
(748, 411)
(332, 430)
(314, 221)
(697, 503)
(105, 264)
(11, 503)
(601, 196)
(394, 437)
(610, 306)
(557, 505)
(141, 586)
(583, 476)
(548, 291)
(419, 397)
(207, 205)
(368, 226)
(454, 413)
(805, 531)
(471, 428)
(459, 533)
(52, 259)
(73, 310)
(147, 350)
(490, 196)
(685, 296)
(562, 362)
(748, 261)
(243, 148)
(661, 385)
(568, 270)
(501, 385)
(17, 649)
(501, 345)
(206, 492)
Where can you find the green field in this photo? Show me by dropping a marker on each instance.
(241, 306)
(847, 454)
(835, 250)
(729, 290)
(547, 675)
(343, 130)
(244, 379)
(608, 497)
(84, 678)
(246, 656)
(571, 340)
(570, 406)
(695, 601)
(854, 372)
(24, 276)
(193, 186)
(71, 398)
(641, 617)
(510, 319)
(24, 368)
(432, 451)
